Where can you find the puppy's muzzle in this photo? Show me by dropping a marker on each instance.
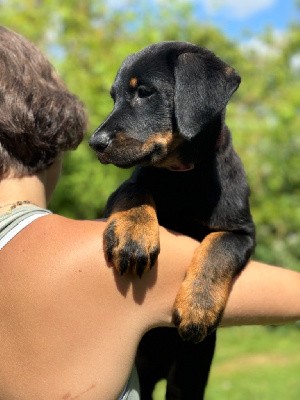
(100, 141)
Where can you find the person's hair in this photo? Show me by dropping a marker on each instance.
(39, 117)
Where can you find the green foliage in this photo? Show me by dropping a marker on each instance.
(265, 124)
(87, 40)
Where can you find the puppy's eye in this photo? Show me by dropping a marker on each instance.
(144, 91)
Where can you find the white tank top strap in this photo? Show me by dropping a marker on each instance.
(132, 389)
(14, 221)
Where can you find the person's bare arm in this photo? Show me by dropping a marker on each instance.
(261, 295)
(71, 325)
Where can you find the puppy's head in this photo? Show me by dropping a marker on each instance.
(164, 95)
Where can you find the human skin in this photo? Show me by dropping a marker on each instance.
(70, 325)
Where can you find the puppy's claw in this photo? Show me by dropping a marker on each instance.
(123, 266)
(176, 319)
(154, 256)
(141, 264)
(189, 331)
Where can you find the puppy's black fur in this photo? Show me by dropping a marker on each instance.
(168, 119)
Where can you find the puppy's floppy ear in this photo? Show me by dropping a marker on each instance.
(203, 87)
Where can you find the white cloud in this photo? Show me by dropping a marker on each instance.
(260, 47)
(295, 62)
(237, 9)
(272, 47)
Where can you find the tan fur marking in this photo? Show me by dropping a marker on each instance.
(133, 82)
(228, 71)
(166, 155)
(202, 251)
(169, 161)
(139, 225)
(164, 139)
(125, 205)
(201, 301)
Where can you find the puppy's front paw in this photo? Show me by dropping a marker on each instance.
(131, 240)
(197, 312)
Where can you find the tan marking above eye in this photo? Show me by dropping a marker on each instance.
(133, 82)
(228, 71)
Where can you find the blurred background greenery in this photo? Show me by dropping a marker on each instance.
(87, 40)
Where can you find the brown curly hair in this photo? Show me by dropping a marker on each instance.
(39, 117)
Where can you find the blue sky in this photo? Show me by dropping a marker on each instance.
(235, 17)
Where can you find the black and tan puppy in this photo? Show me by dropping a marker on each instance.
(168, 119)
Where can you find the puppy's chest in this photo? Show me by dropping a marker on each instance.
(186, 204)
(184, 217)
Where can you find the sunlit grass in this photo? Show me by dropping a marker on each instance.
(254, 363)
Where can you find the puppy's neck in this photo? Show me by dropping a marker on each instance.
(221, 139)
(182, 167)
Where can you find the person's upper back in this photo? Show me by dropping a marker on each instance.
(66, 328)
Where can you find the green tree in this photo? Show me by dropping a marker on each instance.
(88, 46)
(266, 119)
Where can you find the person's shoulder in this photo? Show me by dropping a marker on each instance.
(60, 258)
(70, 231)
(57, 244)
(81, 228)
(68, 240)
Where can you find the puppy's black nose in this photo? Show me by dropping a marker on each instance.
(99, 141)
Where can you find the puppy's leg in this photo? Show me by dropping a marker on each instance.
(131, 238)
(203, 295)
(162, 354)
